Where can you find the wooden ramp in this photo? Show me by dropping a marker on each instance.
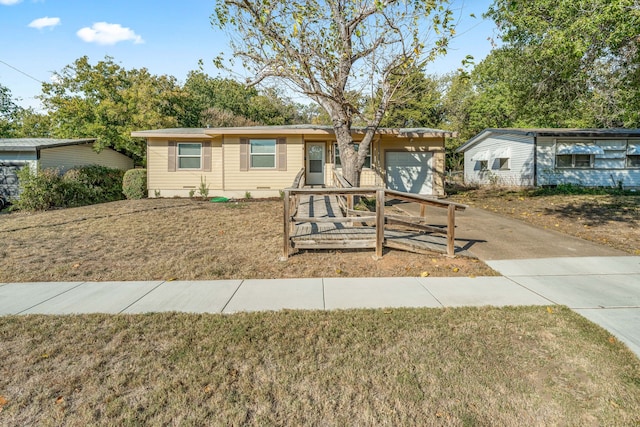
(352, 234)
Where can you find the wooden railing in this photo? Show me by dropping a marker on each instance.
(347, 193)
(290, 217)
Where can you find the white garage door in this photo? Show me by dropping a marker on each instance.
(410, 172)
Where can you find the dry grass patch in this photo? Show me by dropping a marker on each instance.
(467, 366)
(161, 239)
(608, 219)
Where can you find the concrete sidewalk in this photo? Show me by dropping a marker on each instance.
(606, 290)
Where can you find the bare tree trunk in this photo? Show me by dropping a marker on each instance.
(348, 155)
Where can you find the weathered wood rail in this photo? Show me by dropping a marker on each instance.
(349, 237)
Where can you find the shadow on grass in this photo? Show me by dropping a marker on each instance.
(594, 213)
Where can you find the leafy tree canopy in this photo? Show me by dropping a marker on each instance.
(567, 63)
(107, 102)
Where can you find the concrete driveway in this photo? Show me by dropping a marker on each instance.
(490, 236)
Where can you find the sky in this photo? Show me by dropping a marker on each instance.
(40, 37)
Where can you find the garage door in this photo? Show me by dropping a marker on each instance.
(410, 172)
(9, 179)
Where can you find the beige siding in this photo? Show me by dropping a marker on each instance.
(67, 157)
(227, 178)
(260, 181)
(180, 182)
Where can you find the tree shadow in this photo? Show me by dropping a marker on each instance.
(594, 213)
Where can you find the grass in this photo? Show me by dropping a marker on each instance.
(162, 239)
(464, 366)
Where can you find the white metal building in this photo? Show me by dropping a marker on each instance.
(540, 157)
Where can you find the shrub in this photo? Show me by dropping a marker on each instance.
(134, 184)
(85, 185)
(105, 182)
(39, 190)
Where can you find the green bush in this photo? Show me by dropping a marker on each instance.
(105, 183)
(85, 185)
(39, 190)
(134, 184)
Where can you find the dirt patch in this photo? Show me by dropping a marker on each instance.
(608, 219)
(182, 239)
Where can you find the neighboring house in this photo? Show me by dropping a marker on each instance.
(540, 157)
(61, 154)
(263, 160)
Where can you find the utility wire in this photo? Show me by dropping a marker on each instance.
(21, 72)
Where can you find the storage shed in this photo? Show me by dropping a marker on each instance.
(540, 157)
(62, 154)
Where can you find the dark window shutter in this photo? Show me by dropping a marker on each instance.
(171, 167)
(281, 145)
(244, 154)
(206, 156)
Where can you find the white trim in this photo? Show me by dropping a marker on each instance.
(274, 154)
(502, 153)
(633, 149)
(580, 148)
(188, 156)
(480, 156)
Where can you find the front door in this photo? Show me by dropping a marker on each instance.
(315, 163)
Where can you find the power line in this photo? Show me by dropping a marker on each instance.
(21, 72)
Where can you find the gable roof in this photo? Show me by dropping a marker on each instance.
(282, 130)
(552, 132)
(35, 144)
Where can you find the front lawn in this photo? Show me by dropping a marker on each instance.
(464, 366)
(182, 239)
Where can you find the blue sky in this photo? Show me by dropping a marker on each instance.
(39, 37)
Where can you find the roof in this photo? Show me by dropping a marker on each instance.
(552, 132)
(35, 144)
(282, 130)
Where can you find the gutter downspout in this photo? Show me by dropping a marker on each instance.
(535, 160)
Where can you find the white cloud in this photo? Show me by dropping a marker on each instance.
(106, 34)
(9, 2)
(45, 22)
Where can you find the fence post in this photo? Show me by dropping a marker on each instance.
(451, 227)
(287, 220)
(379, 222)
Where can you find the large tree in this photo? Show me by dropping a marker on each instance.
(326, 49)
(570, 63)
(108, 102)
(8, 109)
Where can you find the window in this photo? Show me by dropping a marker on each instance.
(336, 156)
(263, 153)
(483, 165)
(574, 160)
(189, 156)
(633, 161)
(503, 164)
